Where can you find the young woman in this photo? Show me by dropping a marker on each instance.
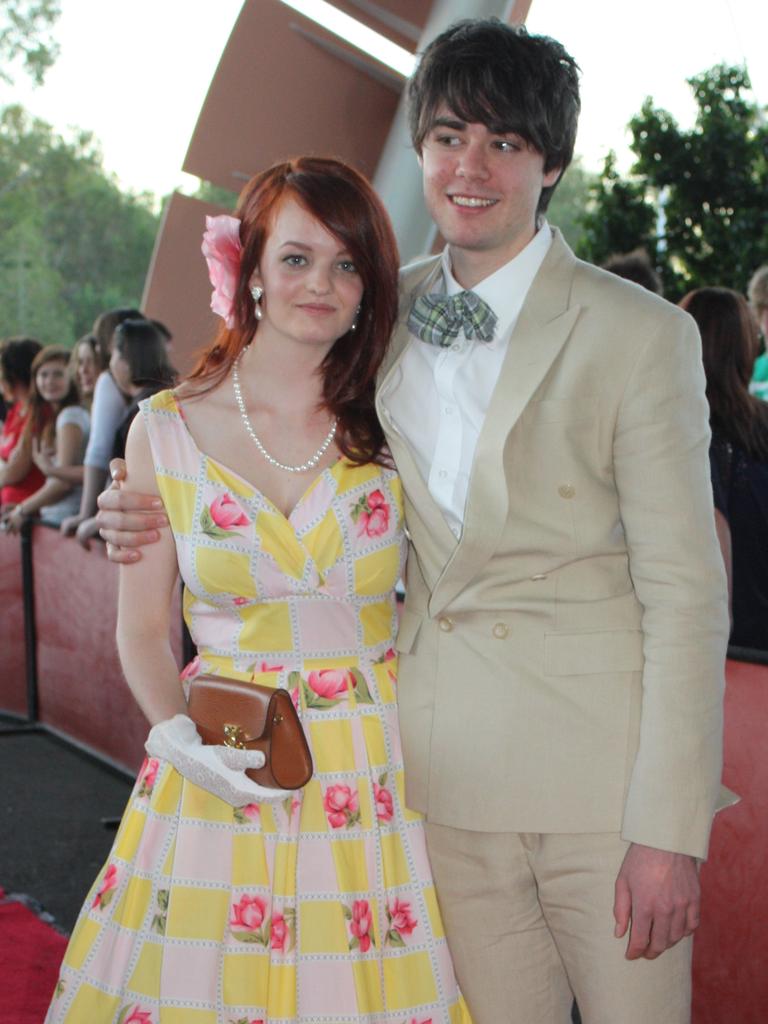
(84, 370)
(738, 454)
(57, 422)
(107, 411)
(286, 526)
(84, 367)
(140, 368)
(19, 477)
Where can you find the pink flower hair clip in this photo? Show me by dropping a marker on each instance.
(222, 250)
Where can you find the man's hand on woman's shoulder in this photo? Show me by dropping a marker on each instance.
(128, 521)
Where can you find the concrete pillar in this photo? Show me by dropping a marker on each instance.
(398, 176)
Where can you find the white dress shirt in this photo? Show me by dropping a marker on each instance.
(439, 397)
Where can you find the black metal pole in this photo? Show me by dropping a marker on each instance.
(30, 633)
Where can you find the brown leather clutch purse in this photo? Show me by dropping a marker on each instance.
(253, 717)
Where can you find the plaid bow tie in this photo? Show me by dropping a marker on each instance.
(437, 319)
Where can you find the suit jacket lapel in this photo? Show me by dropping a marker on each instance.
(545, 322)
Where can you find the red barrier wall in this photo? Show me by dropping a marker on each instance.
(80, 683)
(13, 685)
(730, 953)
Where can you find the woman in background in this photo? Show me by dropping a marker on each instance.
(56, 421)
(738, 454)
(19, 477)
(84, 367)
(140, 368)
(107, 411)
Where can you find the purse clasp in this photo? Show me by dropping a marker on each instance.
(234, 736)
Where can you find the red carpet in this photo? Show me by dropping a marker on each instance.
(30, 954)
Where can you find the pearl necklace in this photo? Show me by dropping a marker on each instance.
(311, 462)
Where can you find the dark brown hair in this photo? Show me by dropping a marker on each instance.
(346, 205)
(500, 76)
(142, 346)
(16, 358)
(729, 340)
(42, 415)
(635, 266)
(104, 327)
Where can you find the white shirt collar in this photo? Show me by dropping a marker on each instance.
(505, 289)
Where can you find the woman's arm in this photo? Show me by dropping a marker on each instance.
(19, 463)
(48, 467)
(106, 415)
(69, 442)
(146, 590)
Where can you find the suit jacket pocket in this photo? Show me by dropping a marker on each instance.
(410, 623)
(582, 654)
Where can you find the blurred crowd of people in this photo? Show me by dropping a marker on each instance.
(734, 332)
(65, 413)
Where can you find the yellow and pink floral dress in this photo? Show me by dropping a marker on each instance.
(320, 908)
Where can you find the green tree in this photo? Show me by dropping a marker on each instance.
(209, 193)
(570, 202)
(696, 200)
(25, 37)
(71, 243)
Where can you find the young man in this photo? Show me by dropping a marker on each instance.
(563, 639)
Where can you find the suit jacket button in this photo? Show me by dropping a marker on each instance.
(500, 630)
(445, 624)
(566, 491)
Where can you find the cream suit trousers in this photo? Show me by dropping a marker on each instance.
(529, 919)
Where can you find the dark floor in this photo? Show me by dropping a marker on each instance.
(52, 800)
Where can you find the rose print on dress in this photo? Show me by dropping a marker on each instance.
(383, 799)
(401, 922)
(107, 888)
(134, 1015)
(389, 655)
(283, 931)
(191, 669)
(222, 517)
(247, 813)
(360, 918)
(341, 806)
(328, 687)
(249, 922)
(371, 515)
(160, 920)
(289, 805)
(148, 775)
(244, 1020)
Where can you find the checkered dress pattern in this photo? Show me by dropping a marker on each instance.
(319, 908)
(438, 319)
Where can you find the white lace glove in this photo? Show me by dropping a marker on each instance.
(218, 769)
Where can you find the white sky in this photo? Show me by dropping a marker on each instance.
(136, 74)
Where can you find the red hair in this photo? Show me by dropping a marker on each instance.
(346, 205)
(42, 414)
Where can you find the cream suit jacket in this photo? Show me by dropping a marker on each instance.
(562, 665)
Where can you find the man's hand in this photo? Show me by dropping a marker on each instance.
(659, 892)
(128, 521)
(70, 524)
(86, 531)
